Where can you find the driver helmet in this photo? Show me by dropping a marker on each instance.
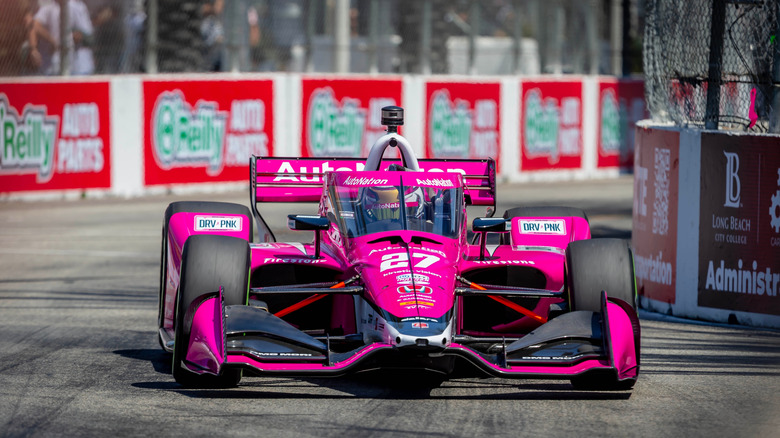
(382, 203)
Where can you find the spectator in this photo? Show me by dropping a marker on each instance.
(287, 29)
(79, 39)
(109, 35)
(256, 49)
(213, 33)
(18, 43)
(134, 23)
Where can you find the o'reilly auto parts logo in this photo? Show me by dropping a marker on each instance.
(552, 131)
(541, 126)
(187, 137)
(732, 180)
(613, 119)
(458, 131)
(28, 141)
(335, 130)
(450, 126)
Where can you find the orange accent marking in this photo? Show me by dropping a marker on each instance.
(306, 302)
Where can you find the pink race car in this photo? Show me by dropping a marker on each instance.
(391, 279)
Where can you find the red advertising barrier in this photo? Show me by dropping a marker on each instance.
(621, 105)
(55, 136)
(654, 235)
(739, 237)
(342, 117)
(551, 125)
(205, 130)
(463, 120)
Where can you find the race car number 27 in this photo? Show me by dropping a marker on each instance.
(401, 260)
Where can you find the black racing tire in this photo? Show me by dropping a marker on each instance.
(593, 265)
(542, 211)
(208, 262)
(190, 207)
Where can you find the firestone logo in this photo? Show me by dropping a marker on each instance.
(28, 141)
(183, 137)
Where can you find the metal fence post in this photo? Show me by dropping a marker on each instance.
(474, 22)
(341, 37)
(66, 46)
(717, 27)
(593, 37)
(774, 116)
(152, 13)
(616, 37)
(517, 38)
(425, 40)
(373, 35)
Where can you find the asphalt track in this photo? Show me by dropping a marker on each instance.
(79, 356)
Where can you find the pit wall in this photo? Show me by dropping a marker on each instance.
(706, 224)
(137, 135)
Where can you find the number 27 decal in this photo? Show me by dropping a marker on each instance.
(401, 260)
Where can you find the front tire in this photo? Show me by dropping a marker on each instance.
(208, 263)
(594, 265)
(189, 207)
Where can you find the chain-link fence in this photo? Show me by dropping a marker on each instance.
(360, 36)
(710, 62)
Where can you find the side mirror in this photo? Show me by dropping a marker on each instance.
(485, 225)
(489, 224)
(311, 223)
(303, 222)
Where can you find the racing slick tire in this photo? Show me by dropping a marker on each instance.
(208, 263)
(189, 207)
(542, 211)
(594, 265)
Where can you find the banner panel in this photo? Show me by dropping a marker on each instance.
(342, 116)
(205, 130)
(739, 237)
(654, 231)
(551, 125)
(462, 120)
(621, 105)
(54, 136)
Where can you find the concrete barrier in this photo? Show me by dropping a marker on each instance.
(706, 224)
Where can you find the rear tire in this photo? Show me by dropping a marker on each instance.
(208, 262)
(594, 265)
(189, 207)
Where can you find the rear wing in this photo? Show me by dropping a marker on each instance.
(280, 179)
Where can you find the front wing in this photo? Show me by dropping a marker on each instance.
(572, 344)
